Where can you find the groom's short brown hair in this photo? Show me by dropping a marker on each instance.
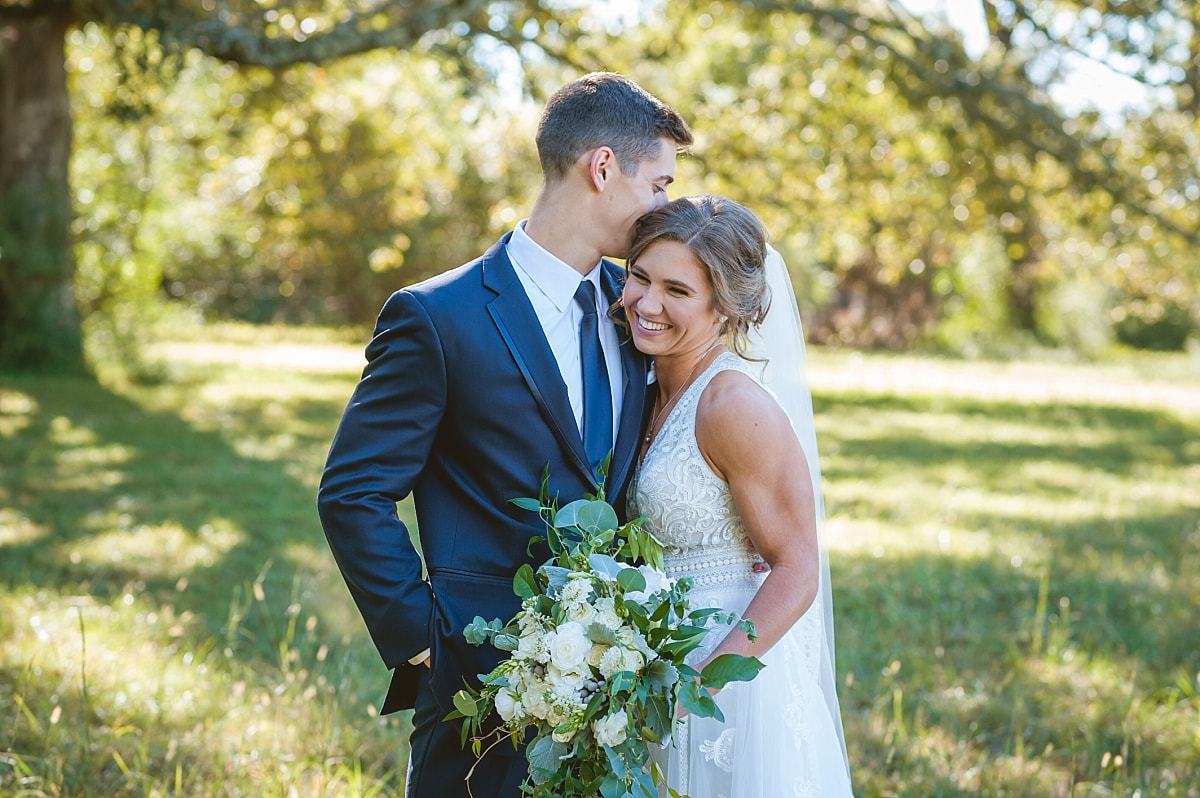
(605, 109)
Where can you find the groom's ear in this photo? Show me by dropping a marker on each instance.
(601, 165)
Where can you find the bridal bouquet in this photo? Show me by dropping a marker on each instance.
(595, 667)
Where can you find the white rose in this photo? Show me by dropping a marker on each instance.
(582, 614)
(594, 656)
(535, 701)
(564, 737)
(611, 730)
(566, 686)
(506, 704)
(606, 613)
(569, 647)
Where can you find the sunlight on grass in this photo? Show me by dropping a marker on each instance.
(1015, 552)
(159, 550)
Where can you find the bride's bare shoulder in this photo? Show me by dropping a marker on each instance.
(733, 402)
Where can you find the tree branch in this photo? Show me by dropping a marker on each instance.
(406, 23)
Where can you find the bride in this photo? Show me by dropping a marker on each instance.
(730, 479)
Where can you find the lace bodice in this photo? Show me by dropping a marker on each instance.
(686, 505)
(690, 509)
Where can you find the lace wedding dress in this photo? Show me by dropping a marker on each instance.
(779, 737)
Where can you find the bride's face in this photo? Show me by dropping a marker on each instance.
(668, 300)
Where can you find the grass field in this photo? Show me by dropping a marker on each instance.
(1015, 555)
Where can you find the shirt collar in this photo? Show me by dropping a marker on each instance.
(553, 277)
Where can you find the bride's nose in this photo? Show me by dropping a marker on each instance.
(649, 302)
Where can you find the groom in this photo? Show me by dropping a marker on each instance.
(475, 382)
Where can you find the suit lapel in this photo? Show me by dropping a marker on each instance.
(522, 333)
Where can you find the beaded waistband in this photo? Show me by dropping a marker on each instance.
(716, 567)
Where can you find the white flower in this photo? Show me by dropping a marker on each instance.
(611, 729)
(594, 656)
(582, 613)
(533, 646)
(566, 686)
(618, 659)
(506, 704)
(606, 613)
(534, 699)
(564, 737)
(576, 591)
(559, 713)
(569, 647)
(531, 622)
(632, 638)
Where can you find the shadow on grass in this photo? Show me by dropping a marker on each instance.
(952, 660)
(143, 470)
(995, 660)
(1064, 634)
(211, 521)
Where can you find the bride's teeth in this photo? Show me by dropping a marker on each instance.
(651, 325)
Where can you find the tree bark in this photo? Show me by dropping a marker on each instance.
(39, 322)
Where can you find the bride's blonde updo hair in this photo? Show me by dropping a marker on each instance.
(730, 243)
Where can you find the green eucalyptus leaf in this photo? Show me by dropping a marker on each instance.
(596, 517)
(612, 787)
(478, 631)
(465, 703)
(525, 582)
(696, 700)
(545, 758)
(569, 515)
(730, 668)
(616, 762)
(527, 504)
(604, 564)
(631, 580)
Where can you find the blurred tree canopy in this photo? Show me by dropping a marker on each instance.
(298, 161)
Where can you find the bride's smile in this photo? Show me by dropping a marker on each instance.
(669, 303)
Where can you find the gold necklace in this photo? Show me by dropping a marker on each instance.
(676, 394)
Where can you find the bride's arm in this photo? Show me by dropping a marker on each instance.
(749, 442)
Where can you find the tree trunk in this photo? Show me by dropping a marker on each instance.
(39, 322)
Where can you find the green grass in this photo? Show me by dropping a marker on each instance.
(1015, 553)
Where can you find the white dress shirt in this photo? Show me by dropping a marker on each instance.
(551, 285)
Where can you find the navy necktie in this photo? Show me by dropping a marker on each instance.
(597, 395)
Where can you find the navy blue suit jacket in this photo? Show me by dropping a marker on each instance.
(462, 405)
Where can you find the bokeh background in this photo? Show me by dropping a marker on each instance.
(991, 212)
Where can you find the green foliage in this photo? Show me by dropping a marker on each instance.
(880, 153)
(597, 663)
(1014, 549)
(878, 150)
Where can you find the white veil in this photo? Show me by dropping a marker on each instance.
(779, 340)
